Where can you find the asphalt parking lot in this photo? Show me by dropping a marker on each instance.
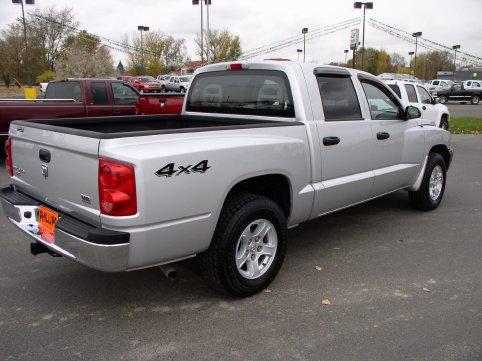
(403, 285)
(464, 110)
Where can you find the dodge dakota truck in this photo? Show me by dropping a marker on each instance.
(258, 148)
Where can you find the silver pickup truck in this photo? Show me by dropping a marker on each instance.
(259, 147)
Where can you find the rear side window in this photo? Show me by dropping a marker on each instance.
(99, 94)
(396, 89)
(436, 82)
(411, 93)
(247, 92)
(64, 90)
(339, 98)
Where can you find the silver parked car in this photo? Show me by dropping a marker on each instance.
(259, 147)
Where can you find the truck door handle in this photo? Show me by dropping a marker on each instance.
(331, 140)
(117, 111)
(383, 135)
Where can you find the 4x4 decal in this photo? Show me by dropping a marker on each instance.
(170, 169)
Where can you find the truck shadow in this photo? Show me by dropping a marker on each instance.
(64, 282)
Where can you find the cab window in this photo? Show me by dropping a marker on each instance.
(411, 93)
(339, 98)
(383, 104)
(396, 89)
(99, 93)
(123, 94)
(425, 97)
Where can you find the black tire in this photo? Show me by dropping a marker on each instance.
(444, 123)
(218, 263)
(182, 89)
(475, 99)
(163, 89)
(442, 99)
(421, 199)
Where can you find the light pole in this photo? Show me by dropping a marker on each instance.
(425, 68)
(304, 31)
(346, 53)
(416, 36)
(455, 47)
(410, 65)
(208, 55)
(299, 51)
(142, 28)
(365, 5)
(27, 59)
(197, 2)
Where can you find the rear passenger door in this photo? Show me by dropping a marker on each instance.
(428, 108)
(346, 144)
(399, 144)
(99, 104)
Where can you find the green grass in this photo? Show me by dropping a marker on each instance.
(466, 125)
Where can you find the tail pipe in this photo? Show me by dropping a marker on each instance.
(169, 272)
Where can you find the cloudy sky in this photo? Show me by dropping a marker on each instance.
(260, 22)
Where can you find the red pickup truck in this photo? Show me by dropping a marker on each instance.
(165, 103)
(72, 98)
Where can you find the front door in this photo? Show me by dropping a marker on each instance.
(399, 144)
(428, 108)
(125, 99)
(99, 104)
(346, 144)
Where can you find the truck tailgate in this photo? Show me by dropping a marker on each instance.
(58, 169)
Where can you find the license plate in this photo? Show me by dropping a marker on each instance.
(47, 219)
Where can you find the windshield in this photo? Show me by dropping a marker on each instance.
(250, 92)
(184, 79)
(146, 79)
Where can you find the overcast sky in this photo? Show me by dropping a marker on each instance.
(259, 22)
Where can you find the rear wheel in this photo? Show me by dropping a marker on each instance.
(431, 191)
(248, 246)
(444, 123)
(443, 99)
(475, 99)
(183, 90)
(163, 89)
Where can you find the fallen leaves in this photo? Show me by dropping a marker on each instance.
(326, 302)
(425, 289)
(318, 268)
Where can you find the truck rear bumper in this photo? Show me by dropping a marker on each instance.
(92, 246)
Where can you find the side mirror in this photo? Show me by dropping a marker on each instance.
(412, 112)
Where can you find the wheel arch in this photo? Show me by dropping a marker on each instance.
(444, 151)
(274, 186)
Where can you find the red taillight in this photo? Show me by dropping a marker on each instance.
(117, 188)
(237, 66)
(8, 157)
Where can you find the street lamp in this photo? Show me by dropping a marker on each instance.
(27, 60)
(455, 47)
(425, 68)
(208, 45)
(142, 28)
(410, 65)
(299, 51)
(416, 36)
(304, 31)
(365, 5)
(346, 53)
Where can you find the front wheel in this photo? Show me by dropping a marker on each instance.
(432, 189)
(475, 99)
(443, 99)
(248, 246)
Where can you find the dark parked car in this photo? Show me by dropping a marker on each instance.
(458, 92)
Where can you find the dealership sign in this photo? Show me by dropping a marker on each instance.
(354, 36)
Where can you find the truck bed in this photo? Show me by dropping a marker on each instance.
(131, 126)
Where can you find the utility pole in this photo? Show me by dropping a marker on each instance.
(299, 51)
(455, 47)
(416, 36)
(27, 59)
(208, 41)
(365, 5)
(197, 2)
(346, 53)
(142, 28)
(410, 65)
(304, 31)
